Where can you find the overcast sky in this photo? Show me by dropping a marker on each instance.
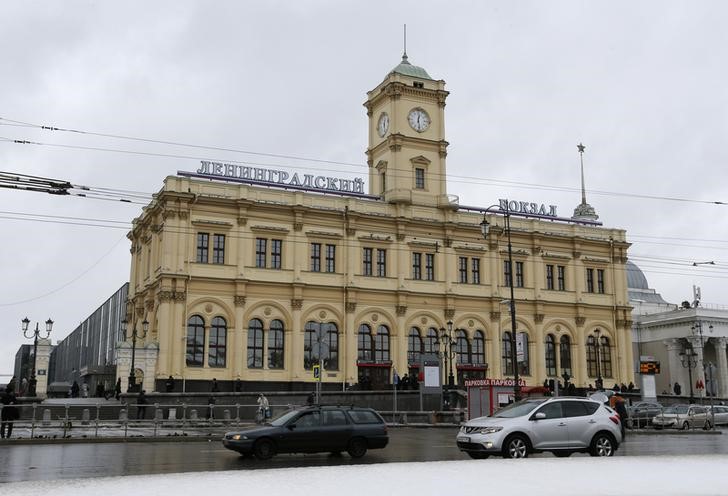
(641, 84)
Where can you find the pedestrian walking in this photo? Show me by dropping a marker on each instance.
(238, 385)
(74, 390)
(142, 405)
(677, 389)
(24, 387)
(117, 388)
(9, 413)
(621, 408)
(263, 409)
(215, 386)
(169, 385)
(84, 390)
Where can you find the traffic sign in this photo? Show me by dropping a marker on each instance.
(317, 373)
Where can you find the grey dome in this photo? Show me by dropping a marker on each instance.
(408, 69)
(635, 277)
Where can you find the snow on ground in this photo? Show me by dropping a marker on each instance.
(659, 475)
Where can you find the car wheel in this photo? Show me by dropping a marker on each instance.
(357, 447)
(515, 447)
(685, 426)
(264, 449)
(562, 454)
(602, 445)
(477, 455)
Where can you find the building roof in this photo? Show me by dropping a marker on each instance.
(635, 277)
(637, 287)
(408, 69)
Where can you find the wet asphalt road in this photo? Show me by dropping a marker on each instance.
(83, 460)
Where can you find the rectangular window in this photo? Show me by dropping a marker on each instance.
(475, 265)
(600, 281)
(519, 274)
(276, 253)
(549, 277)
(589, 280)
(417, 266)
(203, 244)
(507, 272)
(381, 263)
(218, 249)
(561, 277)
(430, 266)
(367, 261)
(420, 178)
(463, 269)
(315, 257)
(330, 258)
(260, 252)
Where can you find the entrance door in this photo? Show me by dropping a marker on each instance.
(373, 378)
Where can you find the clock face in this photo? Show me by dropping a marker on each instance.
(419, 120)
(383, 124)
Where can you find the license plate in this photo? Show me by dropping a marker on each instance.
(463, 439)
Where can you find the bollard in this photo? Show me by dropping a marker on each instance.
(226, 415)
(46, 417)
(123, 415)
(172, 414)
(85, 416)
(404, 418)
(193, 414)
(158, 415)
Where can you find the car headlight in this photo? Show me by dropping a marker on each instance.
(238, 437)
(487, 430)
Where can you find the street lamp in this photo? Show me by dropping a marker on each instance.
(134, 335)
(599, 381)
(447, 344)
(484, 228)
(34, 335)
(689, 360)
(699, 328)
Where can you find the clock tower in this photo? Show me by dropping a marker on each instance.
(407, 147)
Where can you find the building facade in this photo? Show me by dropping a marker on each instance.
(242, 279)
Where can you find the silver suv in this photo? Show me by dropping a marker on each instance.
(560, 425)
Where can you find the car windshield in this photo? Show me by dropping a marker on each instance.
(677, 409)
(283, 418)
(518, 409)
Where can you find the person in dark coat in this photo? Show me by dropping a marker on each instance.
(677, 389)
(74, 390)
(169, 385)
(215, 386)
(9, 414)
(621, 408)
(238, 385)
(142, 405)
(117, 388)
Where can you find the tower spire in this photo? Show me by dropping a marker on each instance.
(404, 53)
(583, 211)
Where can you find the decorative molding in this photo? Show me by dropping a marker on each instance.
(350, 231)
(242, 221)
(400, 237)
(239, 300)
(401, 310)
(449, 313)
(495, 316)
(149, 305)
(171, 296)
(350, 306)
(169, 214)
(296, 303)
(264, 228)
(156, 227)
(298, 225)
(183, 214)
(323, 234)
(213, 224)
(538, 318)
(580, 321)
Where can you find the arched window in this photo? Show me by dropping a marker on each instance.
(565, 355)
(255, 344)
(365, 344)
(462, 347)
(478, 355)
(550, 355)
(524, 367)
(217, 343)
(507, 354)
(195, 341)
(414, 346)
(591, 356)
(431, 341)
(605, 356)
(331, 352)
(275, 345)
(381, 344)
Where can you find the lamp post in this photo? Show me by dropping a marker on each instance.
(134, 335)
(689, 360)
(446, 342)
(34, 335)
(485, 227)
(600, 381)
(699, 328)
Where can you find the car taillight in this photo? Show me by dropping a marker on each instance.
(615, 418)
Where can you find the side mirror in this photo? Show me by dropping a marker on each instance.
(539, 416)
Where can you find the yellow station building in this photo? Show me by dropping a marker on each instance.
(254, 275)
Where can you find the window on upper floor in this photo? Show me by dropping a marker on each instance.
(264, 258)
(330, 258)
(315, 257)
(203, 247)
(420, 178)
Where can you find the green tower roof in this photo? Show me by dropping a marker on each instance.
(408, 69)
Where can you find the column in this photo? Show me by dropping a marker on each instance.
(578, 355)
(720, 352)
(677, 371)
(699, 370)
(239, 345)
(348, 352)
(538, 359)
